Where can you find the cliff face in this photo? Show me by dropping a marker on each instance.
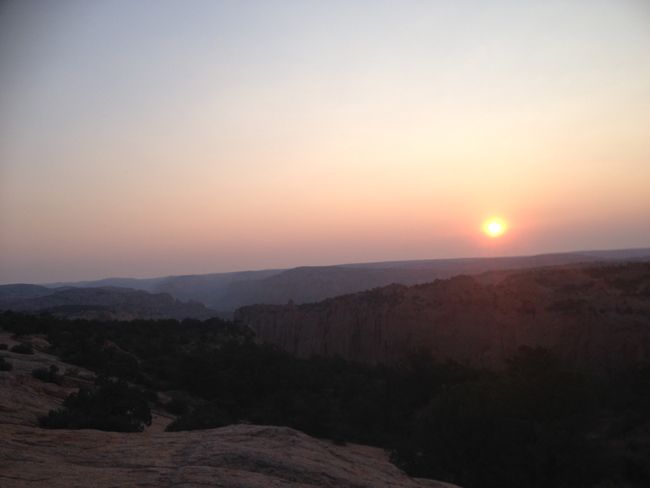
(587, 314)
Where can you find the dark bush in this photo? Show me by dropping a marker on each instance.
(5, 365)
(3, 347)
(207, 416)
(177, 405)
(521, 428)
(48, 375)
(112, 405)
(23, 348)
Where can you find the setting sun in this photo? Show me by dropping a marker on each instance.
(494, 227)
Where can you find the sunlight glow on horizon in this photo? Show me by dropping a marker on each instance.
(153, 138)
(495, 227)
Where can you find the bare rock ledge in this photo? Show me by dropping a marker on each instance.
(249, 456)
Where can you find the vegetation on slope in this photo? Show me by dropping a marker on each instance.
(111, 405)
(536, 423)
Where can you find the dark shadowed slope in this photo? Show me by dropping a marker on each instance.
(9, 293)
(105, 303)
(312, 284)
(589, 314)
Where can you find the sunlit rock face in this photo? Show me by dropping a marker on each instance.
(591, 315)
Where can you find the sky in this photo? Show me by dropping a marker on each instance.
(150, 138)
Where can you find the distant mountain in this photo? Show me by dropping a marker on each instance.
(226, 292)
(104, 303)
(9, 293)
(589, 314)
(212, 289)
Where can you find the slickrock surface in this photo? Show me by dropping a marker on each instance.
(235, 456)
(23, 398)
(245, 456)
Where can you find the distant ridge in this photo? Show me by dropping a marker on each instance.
(102, 303)
(642, 253)
(225, 292)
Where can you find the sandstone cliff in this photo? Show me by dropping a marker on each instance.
(591, 314)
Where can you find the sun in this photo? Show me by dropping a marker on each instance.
(494, 227)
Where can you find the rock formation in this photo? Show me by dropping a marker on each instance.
(589, 314)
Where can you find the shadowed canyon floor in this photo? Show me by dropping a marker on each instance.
(234, 456)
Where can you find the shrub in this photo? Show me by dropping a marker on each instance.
(23, 348)
(3, 347)
(177, 405)
(48, 375)
(208, 416)
(5, 365)
(112, 405)
(72, 372)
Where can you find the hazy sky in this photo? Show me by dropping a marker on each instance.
(145, 138)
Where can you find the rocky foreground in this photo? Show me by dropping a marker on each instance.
(234, 456)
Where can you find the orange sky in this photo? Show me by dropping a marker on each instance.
(143, 142)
